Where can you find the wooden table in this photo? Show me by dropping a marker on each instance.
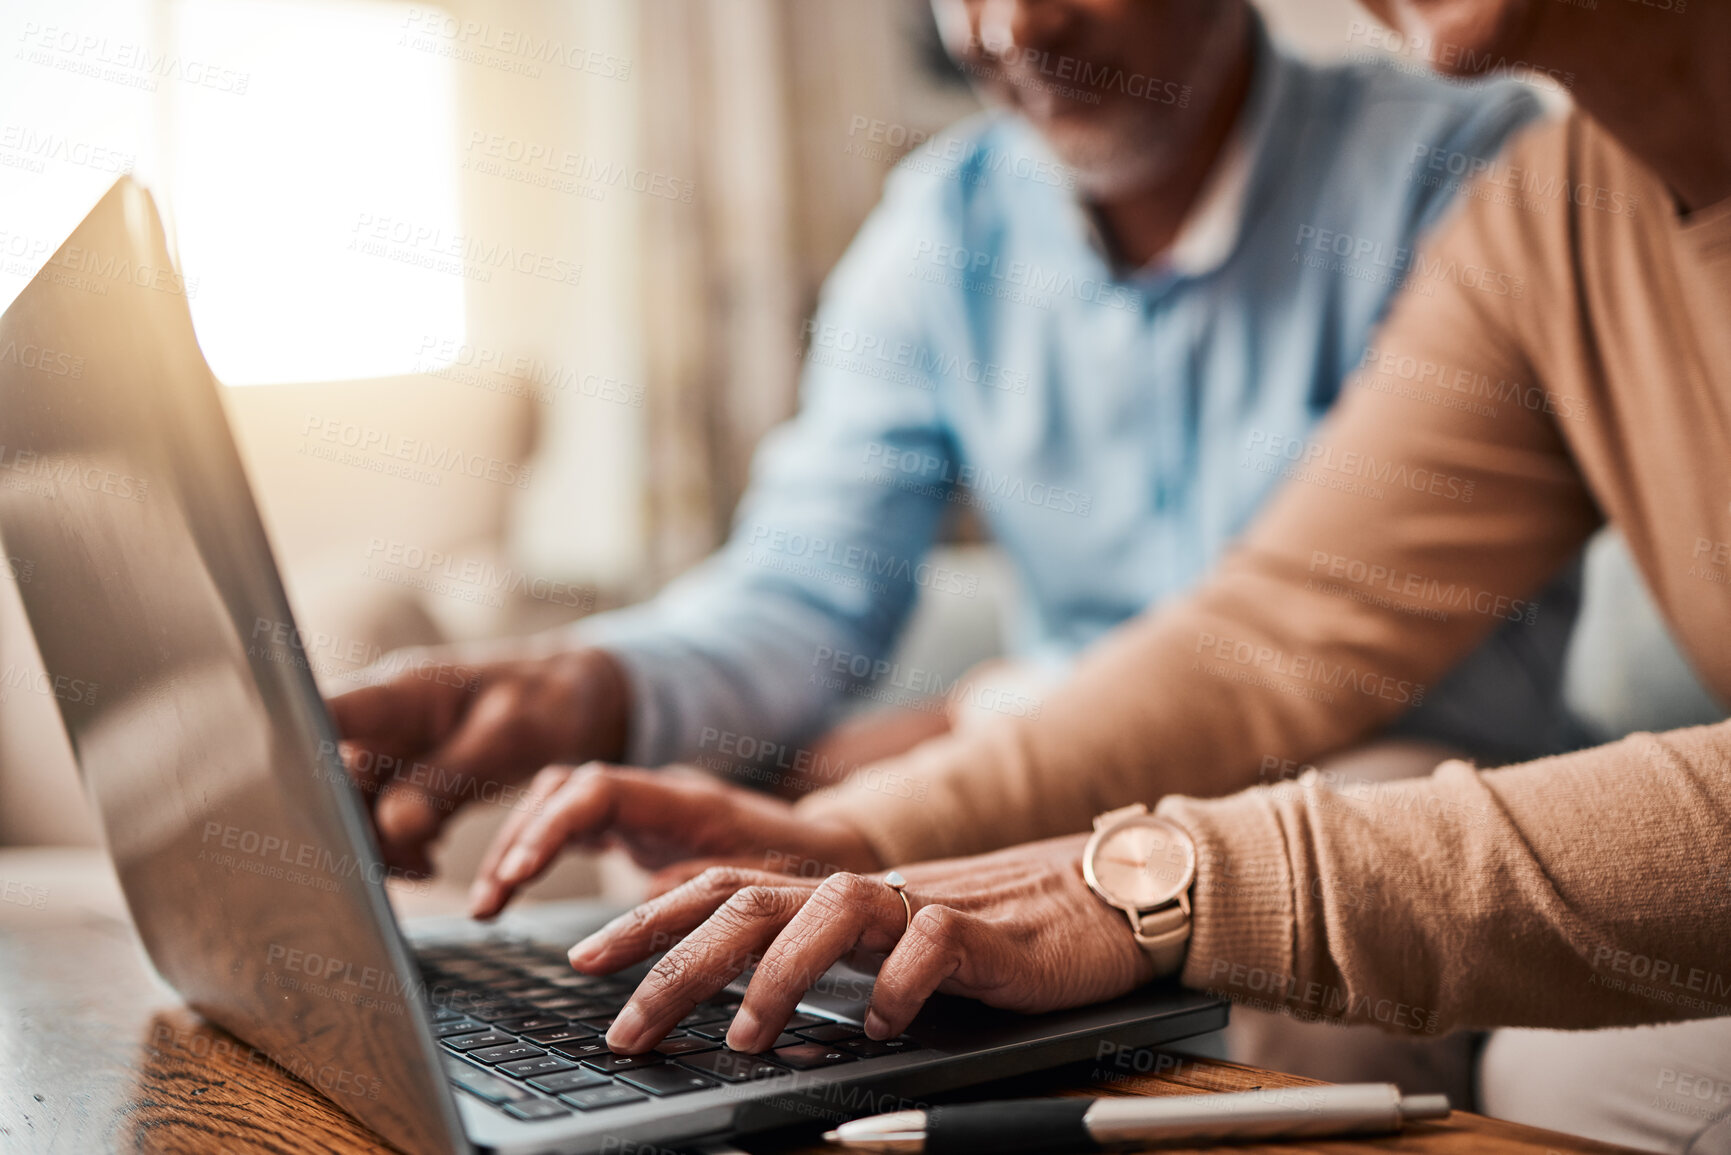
(96, 1055)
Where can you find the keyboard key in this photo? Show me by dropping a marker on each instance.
(571, 982)
(667, 1081)
(582, 1048)
(685, 1046)
(598, 1097)
(731, 1066)
(578, 1080)
(872, 1048)
(451, 1028)
(569, 1033)
(705, 1015)
(531, 1110)
(570, 1005)
(830, 1033)
(485, 980)
(811, 1056)
(475, 966)
(785, 1039)
(612, 1064)
(506, 1053)
(804, 1020)
(498, 1012)
(552, 972)
(544, 1065)
(714, 1031)
(529, 1023)
(537, 991)
(598, 1023)
(484, 1086)
(475, 1042)
(446, 1014)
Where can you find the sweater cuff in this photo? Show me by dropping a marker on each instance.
(1243, 913)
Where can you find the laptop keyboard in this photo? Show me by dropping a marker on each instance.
(524, 1033)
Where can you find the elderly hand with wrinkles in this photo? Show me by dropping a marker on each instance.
(1017, 929)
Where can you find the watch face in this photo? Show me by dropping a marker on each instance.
(1143, 863)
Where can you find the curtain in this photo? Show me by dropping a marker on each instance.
(755, 101)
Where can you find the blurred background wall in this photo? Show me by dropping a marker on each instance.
(576, 241)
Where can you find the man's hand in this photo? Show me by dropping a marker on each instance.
(442, 733)
(679, 819)
(1018, 929)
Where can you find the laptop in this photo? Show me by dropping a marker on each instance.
(244, 852)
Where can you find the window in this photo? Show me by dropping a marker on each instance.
(310, 152)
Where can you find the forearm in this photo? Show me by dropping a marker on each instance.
(1587, 890)
(1351, 595)
(725, 675)
(1264, 665)
(1163, 706)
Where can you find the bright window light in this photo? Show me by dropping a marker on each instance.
(314, 126)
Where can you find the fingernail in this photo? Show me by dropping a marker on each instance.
(627, 1028)
(516, 864)
(743, 1031)
(876, 1027)
(585, 952)
(480, 897)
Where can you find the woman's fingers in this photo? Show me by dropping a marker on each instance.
(939, 943)
(592, 801)
(659, 923)
(845, 911)
(583, 804)
(706, 960)
(673, 877)
(523, 850)
(488, 895)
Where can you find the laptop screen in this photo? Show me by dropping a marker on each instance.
(167, 642)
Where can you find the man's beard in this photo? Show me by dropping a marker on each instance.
(1130, 146)
(1115, 159)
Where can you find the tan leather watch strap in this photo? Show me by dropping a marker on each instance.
(1112, 817)
(1165, 935)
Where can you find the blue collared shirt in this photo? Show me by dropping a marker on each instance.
(1115, 430)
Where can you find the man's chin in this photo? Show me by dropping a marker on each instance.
(1105, 166)
(1122, 178)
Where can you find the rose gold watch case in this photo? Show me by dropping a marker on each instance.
(1177, 837)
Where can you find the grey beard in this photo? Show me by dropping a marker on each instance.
(1111, 165)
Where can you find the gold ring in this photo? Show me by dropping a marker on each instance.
(897, 883)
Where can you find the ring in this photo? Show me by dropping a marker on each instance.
(897, 883)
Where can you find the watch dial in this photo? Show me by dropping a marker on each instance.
(1143, 865)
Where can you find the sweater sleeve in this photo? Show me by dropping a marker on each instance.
(1587, 890)
(1426, 511)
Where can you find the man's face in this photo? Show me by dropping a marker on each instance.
(1465, 36)
(1118, 88)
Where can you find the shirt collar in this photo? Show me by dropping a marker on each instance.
(1210, 230)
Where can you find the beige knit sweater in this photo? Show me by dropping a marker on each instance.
(1561, 356)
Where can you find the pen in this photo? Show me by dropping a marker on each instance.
(1064, 1126)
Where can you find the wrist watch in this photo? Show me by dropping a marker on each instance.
(1143, 866)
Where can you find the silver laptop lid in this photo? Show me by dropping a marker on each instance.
(168, 643)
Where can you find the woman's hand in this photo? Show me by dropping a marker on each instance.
(676, 820)
(1017, 929)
